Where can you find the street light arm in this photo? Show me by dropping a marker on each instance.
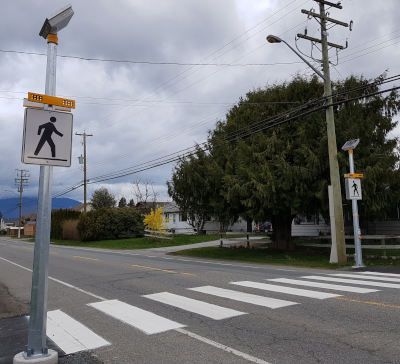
(304, 60)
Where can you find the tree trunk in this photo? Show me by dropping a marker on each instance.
(282, 232)
(249, 225)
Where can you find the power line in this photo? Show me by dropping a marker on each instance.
(257, 127)
(154, 63)
(127, 108)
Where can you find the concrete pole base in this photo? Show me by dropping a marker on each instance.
(51, 359)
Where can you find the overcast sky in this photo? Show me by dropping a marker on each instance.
(140, 112)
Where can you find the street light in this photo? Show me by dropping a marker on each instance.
(332, 150)
(59, 20)
(274, 39)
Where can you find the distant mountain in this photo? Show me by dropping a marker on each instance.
(9, 206)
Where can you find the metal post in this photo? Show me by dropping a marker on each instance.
(356, 225)
(38, 311)
(332, 147)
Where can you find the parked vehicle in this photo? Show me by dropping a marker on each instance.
(263, 227)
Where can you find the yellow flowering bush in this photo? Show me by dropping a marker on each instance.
(155, 221)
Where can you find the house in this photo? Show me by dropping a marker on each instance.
(178, 220)
(150, 205)
(314, 225)
(80, 207)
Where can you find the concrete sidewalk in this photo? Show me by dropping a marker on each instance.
(170, 249)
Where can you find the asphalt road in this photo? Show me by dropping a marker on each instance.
(352, 328)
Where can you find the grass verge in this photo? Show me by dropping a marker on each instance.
(139, 243)
(301, 257)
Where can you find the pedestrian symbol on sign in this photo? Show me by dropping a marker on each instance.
(47, 138)
(355, 189)
(49, 128)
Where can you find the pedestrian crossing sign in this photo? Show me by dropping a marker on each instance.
(353, 189)
(47, 138)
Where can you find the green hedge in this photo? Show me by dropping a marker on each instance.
(57, 219)
(110, 224)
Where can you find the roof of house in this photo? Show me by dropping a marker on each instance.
(81, 206)
(150, 205)
(10, 220)
(171, 207)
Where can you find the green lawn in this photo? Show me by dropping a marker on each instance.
(301, 257)
(140, 243)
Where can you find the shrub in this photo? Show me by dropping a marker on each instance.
(57, 219)
(110, 224)
(70, 231)
(154, 221)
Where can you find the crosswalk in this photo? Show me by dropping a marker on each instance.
(72, 336)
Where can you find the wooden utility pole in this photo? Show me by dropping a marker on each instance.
(21, 181)
(330, 122)
(84, 169)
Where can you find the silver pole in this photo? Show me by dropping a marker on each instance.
(356, 225)
(38, 311)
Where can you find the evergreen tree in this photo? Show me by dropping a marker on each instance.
(122, 203)
(103, 198)
(131, 203)
(280, 172)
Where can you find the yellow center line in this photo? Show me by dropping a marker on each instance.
(27, 248)
(53, 253)
(76, 256)
(162, 270)
(367, 302)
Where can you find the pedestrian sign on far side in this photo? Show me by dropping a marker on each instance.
(47, 138)
(353, 189)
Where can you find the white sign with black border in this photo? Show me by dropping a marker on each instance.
(353, 189)
(47, 138)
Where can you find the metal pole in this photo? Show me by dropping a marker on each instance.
(356, 224)
(38, 311)
(332, 147)
(304, 60)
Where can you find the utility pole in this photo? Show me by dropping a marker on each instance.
(84, 169)
(21, 181)
(330, 122)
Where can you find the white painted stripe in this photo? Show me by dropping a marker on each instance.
(244, 297)
(61, 282)
(202, 308)
(145, 321)
(288, 290)
(354, 281)
(364, 276)
(70, 335)
(78, 289)
(223, 347)
(379, 274)
(335, 287)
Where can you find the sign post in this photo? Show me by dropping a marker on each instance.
(354, 193)
(43, 148)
